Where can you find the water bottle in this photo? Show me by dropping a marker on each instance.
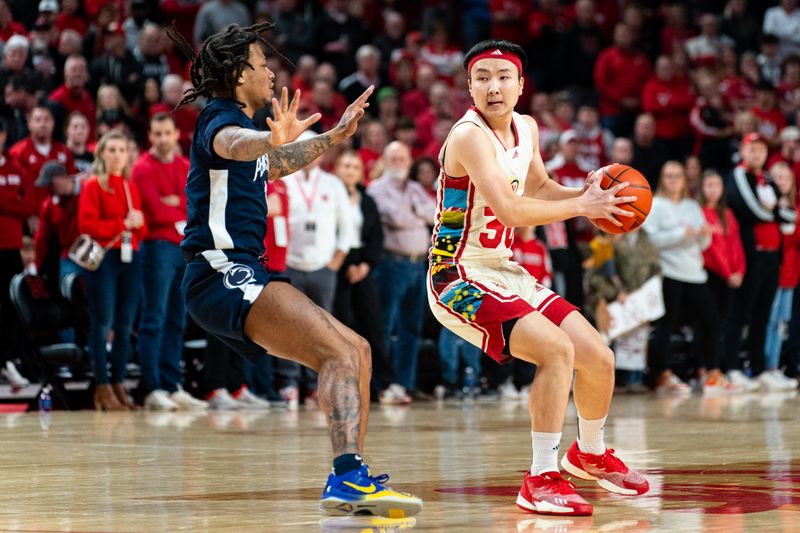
(45, 401)
(126, 248)
(45, 408)
(468, 386)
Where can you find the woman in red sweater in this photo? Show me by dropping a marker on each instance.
(109, 209)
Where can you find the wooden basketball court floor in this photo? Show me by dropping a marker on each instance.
(714, 464)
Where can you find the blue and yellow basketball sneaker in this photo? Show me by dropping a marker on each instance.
(359, 493)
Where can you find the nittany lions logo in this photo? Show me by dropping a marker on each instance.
(262, 166)
(237, 276)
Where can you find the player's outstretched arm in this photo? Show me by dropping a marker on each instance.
(470, 152)
(242, 144)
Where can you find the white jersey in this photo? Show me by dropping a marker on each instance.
(466, 228)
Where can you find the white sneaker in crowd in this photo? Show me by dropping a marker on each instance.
(158, 400)
(187, 402)
(737, 377)
(508, 392)
(721, 387)
(394, 394)
(673, 387)
(774, 381)
(248, 400)
(290, 395)
(13, 376)
(221, 400)
(791, 383)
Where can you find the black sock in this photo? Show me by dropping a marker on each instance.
(347, 462)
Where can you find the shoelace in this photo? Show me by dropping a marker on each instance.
(381, 479)
(608, 459)
(559, 481)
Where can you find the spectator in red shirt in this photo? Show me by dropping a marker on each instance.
(160, 175)
(677, 30)
(724, 259)
(506, 18)
(17, 203)
(669, 99)
(328, 102)
(373, 140)
(276, 241)
(69, 18)
(790, 149)
(619, 74)
(303, 78)
(8, 26)
(771, 119)
(440, 108)
(109, 210)
(532, 255)
(39, 147)
(416, 100)
(73, 94)
(738, 85)
(706, 48)
(789, 86)
(58, 223)
(440, 52)
(594, 141)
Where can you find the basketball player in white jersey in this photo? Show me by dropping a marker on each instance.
(493, 180)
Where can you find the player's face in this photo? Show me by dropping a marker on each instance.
(495, 86)
(257, 83)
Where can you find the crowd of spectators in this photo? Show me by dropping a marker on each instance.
(701, 96)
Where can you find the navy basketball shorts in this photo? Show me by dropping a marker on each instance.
(220, 288)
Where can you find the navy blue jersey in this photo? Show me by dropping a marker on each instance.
(226, 200)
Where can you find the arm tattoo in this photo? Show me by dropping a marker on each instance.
(293, 156)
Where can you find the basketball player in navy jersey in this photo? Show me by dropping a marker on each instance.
(229, 292)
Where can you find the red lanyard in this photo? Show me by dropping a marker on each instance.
(308, 198)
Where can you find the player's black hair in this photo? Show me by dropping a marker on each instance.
(221, 60)
(495, 44)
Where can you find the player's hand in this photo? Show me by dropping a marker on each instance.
(286, 127)
(591, 177)
(604, 203)
(349, 122)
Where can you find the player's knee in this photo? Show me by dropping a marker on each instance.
(563, 351)
(605, 359)
(364, 352)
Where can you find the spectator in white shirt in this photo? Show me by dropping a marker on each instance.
(783, 21)
(706, 48)
(321, 226)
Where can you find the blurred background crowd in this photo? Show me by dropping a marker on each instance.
(701, 96)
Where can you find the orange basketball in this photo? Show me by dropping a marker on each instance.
(614, 174)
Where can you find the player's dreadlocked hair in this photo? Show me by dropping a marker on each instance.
(221, 60)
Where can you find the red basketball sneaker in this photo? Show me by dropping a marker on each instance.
(607, 469)
(549, 493)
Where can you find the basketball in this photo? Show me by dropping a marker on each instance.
(610, 176)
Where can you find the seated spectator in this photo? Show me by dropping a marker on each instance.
(216, 15)
(712, 125)
(368, 62)
(416, 100)
(789, 87)
(70, 18)
(445, 57)
(620, 73)
(72, 95)
(771, 119)
(374, 139)
(705, 49)
(783, 21)
(116, 65)
(8, 26)
(32, 152)
(649, 152)
(738, 85)
(669, 100)
(594, 141)
(58, 222)
(440, 108)
(109, 210)
(769, 59)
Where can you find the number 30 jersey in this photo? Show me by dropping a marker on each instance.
(466, 228)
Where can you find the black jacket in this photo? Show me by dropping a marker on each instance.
(371, 249)
(743, 200)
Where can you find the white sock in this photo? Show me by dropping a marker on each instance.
(590, 435)
(545, 452)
